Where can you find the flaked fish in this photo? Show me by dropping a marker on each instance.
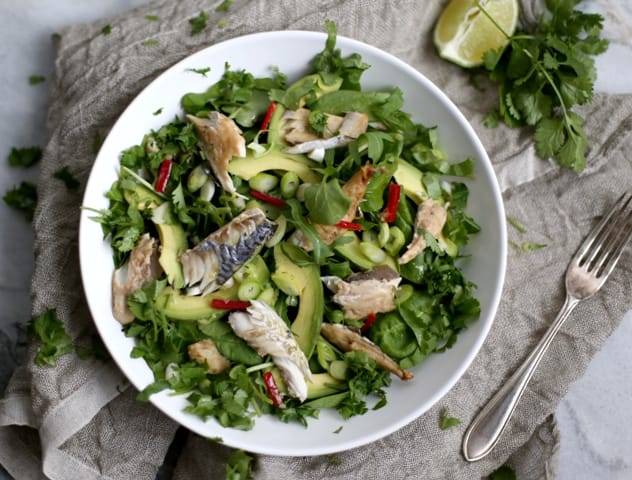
(262, 328)
(221, 139)
(431, 217)
(349, 341)
(213, 261)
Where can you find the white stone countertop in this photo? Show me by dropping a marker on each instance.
(595, 417)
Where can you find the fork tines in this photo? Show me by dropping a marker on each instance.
(602, 248)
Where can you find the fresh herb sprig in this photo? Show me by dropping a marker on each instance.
(543, 74)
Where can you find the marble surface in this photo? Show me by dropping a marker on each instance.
(595, 417)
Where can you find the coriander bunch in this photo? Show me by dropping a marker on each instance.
(543, 74)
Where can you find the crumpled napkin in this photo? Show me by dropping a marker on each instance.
(80, 419)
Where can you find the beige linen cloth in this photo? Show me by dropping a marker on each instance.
(80, 419)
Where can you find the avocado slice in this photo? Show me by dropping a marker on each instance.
(274, 159)
(410, 178)
(322, 384)
(350, 249)
(179, 306)
(142, 198)
(305, 283)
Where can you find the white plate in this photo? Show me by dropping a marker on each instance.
(291, 52)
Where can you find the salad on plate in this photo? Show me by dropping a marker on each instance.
(283, 247)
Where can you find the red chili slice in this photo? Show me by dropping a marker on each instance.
(268, 116)
(392, 202)
(264, 197)
(221, 304)
(368, 323)
(349, 225)
(273, 390)
(164, 172)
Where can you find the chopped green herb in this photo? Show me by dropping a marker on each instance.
(239, 466)
(446, 421)
(198, 23)
(151, 42)
(35, 79)
(338, 430)
(106, 30)
(224, 6)
(24, 157)
(201, 71)
(222, 23)
(514, 223)
(55, 342)
(158, 112)
(68, 178)
(491, 119)
(152, 18)
(526, 246)
(215, 439)
(23, 198)
(544, 74)
(503, 473)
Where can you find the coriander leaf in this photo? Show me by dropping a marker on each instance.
(106, 30)
(68, 178)
(24, 157)
(55, 342)
(527, 246)
(158, 112)
(224, 6)
(35, 79)
(446, 421)
(549, 136)
(239, 466)
(491, 119)
(23, 198)
(514, 223)
(326, 202)
(198, 23)
(201, 71)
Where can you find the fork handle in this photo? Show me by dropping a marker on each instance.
(486, 428)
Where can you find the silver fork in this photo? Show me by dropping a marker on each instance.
(587, 272)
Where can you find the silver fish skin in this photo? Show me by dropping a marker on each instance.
(262, 328)
(214, 260)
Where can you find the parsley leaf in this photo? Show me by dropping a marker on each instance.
(35, 79)
(24, 157)
(68, 178)
(106, 30)
(198, 23)
(158, 112)
(224, 6)
(491, 119)
(55, 342)
(23, 198)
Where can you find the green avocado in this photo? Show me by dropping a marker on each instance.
(322, 384)
(142, 197)
(179, 306)
(304, 282)
(173, 242)
(410, 179)
(274, 159)
(352, 252)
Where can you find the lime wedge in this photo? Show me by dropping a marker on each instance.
(464, 33)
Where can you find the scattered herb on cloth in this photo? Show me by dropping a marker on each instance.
(24, 157)
(55, 342)
(22, 197)
(65, 175)
(36, 79)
